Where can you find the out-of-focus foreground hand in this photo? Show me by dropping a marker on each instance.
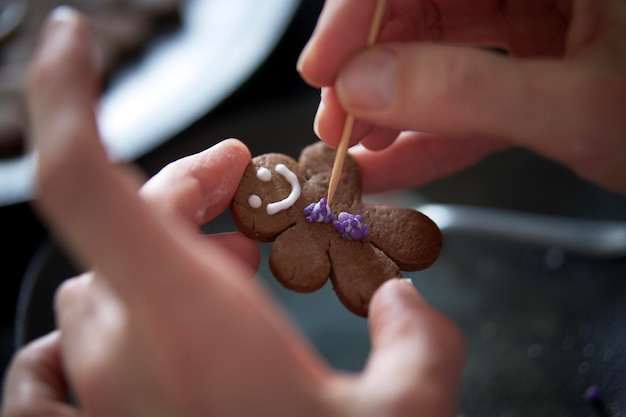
(560, 92)
(169, 322)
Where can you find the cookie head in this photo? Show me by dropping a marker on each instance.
(268, 199)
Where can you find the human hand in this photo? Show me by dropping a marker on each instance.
(561, 92)
(169, 323)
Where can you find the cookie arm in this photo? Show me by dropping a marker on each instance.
(407, 236)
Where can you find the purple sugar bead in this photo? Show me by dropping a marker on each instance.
(356, 234)
(351, 226)
(348, 225)
(592, 395)
(318, 212)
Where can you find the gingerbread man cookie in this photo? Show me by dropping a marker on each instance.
(357, 245)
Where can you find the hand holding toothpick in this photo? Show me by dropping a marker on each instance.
(349, 123)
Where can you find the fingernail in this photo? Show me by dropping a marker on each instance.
(63, 13)
(368, 82)
(316, 120)
(398, 293)
(60, 25)
(62, 21)
(408, 283)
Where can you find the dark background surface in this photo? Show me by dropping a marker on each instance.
(542, 325)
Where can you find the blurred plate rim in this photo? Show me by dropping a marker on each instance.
(153, 99)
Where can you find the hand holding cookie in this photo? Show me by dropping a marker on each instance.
(358, 246)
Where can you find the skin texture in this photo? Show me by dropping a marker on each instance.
(168, 321)
(435, 101)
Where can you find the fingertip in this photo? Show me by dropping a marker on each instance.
(69, 291)
(230, 152)
(330, 120)
(333, 40)
(303, 66)
(228, 157)
(200, 186)
(236, 148)
(392, 309)
(34, 382)
(66, 51)
(62, 85)
(33, 352)
(413, 344)
(399, 312)
(394, 297)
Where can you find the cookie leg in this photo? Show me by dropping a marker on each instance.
(357, 274)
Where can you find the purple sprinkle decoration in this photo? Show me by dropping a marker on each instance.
(318, 212)
(350, 226)
(592, 395)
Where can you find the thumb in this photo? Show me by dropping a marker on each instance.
(63, 82)
(448, 90)
(554, 107)
(416, 351)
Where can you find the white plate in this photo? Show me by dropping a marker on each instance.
(179, 79)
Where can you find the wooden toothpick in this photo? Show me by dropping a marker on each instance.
(349, 123)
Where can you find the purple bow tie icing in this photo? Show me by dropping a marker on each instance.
(357, 246)
(318, 212)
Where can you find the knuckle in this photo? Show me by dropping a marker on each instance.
(456, 84)
(461, 75)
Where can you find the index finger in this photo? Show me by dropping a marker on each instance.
(333, 40)
(91, 204)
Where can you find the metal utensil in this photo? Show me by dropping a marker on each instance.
(603, 239)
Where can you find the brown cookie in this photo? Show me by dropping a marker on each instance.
(282, 200)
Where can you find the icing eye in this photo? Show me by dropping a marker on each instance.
(254, 201)
(264, 174)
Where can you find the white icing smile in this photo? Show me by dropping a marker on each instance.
(265, 175)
